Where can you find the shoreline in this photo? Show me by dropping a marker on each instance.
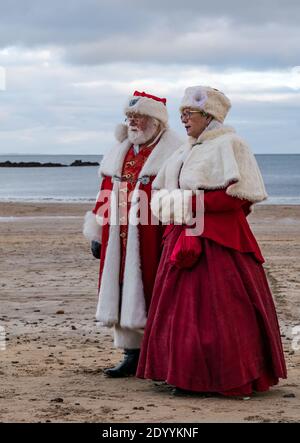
(35, 164)
(271, 201)
(56, 350)
(52, 208)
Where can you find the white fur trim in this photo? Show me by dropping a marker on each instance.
(133, 310)
(182, 206)
(220, 161)
(171, 181)
(213, 131)
(92, 230)
(168, 144)
(219, 158)
(121, 132)
(133, 307)
(172, 206)
(109, 294)
(113, 161)
(159, 202)
(125, 338)
(147, 106)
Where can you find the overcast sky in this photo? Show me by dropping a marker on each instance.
(69, 66)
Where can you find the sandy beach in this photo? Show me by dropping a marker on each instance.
(51, 369)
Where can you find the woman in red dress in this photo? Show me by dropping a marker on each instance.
(212, 325)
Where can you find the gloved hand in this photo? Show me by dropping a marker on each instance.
(187, 251)
(96, 248)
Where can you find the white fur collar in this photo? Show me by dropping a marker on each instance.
(214, 129)
(112, 163)
(217, 158)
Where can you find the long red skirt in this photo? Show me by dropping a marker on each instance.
(212, 328)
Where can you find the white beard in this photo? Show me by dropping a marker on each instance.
(138, 137)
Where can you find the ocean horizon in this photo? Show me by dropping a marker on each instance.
(281, 173)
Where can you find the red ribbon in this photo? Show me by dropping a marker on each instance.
(144, 94)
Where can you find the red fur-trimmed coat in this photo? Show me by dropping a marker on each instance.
(143, 246)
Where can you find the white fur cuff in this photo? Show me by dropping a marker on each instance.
(172, 206)
(127, 338)
(92, 230)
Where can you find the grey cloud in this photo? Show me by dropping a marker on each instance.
(224, 46)
(55, 105)
(257, 33)
(35, 22)
(255, 11)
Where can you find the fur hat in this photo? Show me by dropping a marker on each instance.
(206, 99)
(146, 104)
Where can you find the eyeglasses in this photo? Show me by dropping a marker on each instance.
(130, 117)
(188, 114)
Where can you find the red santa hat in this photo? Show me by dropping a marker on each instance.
(147, 104)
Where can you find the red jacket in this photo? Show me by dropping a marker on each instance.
(225, 223)
(150, 237)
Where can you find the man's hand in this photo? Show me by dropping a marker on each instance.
(96, 248)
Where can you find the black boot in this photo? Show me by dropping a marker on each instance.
(127, 367)
(179, 392)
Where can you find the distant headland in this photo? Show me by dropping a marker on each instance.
(9, 164)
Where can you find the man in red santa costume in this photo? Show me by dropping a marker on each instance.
(129, 252)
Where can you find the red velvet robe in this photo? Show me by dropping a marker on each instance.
(213, 327)
(225, 222)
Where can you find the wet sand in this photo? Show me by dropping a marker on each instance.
(51, 369)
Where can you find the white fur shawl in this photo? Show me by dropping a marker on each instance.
(217, 158)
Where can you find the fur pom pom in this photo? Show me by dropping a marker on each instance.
(121, 132)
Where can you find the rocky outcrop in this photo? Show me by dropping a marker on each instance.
(9, 164)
